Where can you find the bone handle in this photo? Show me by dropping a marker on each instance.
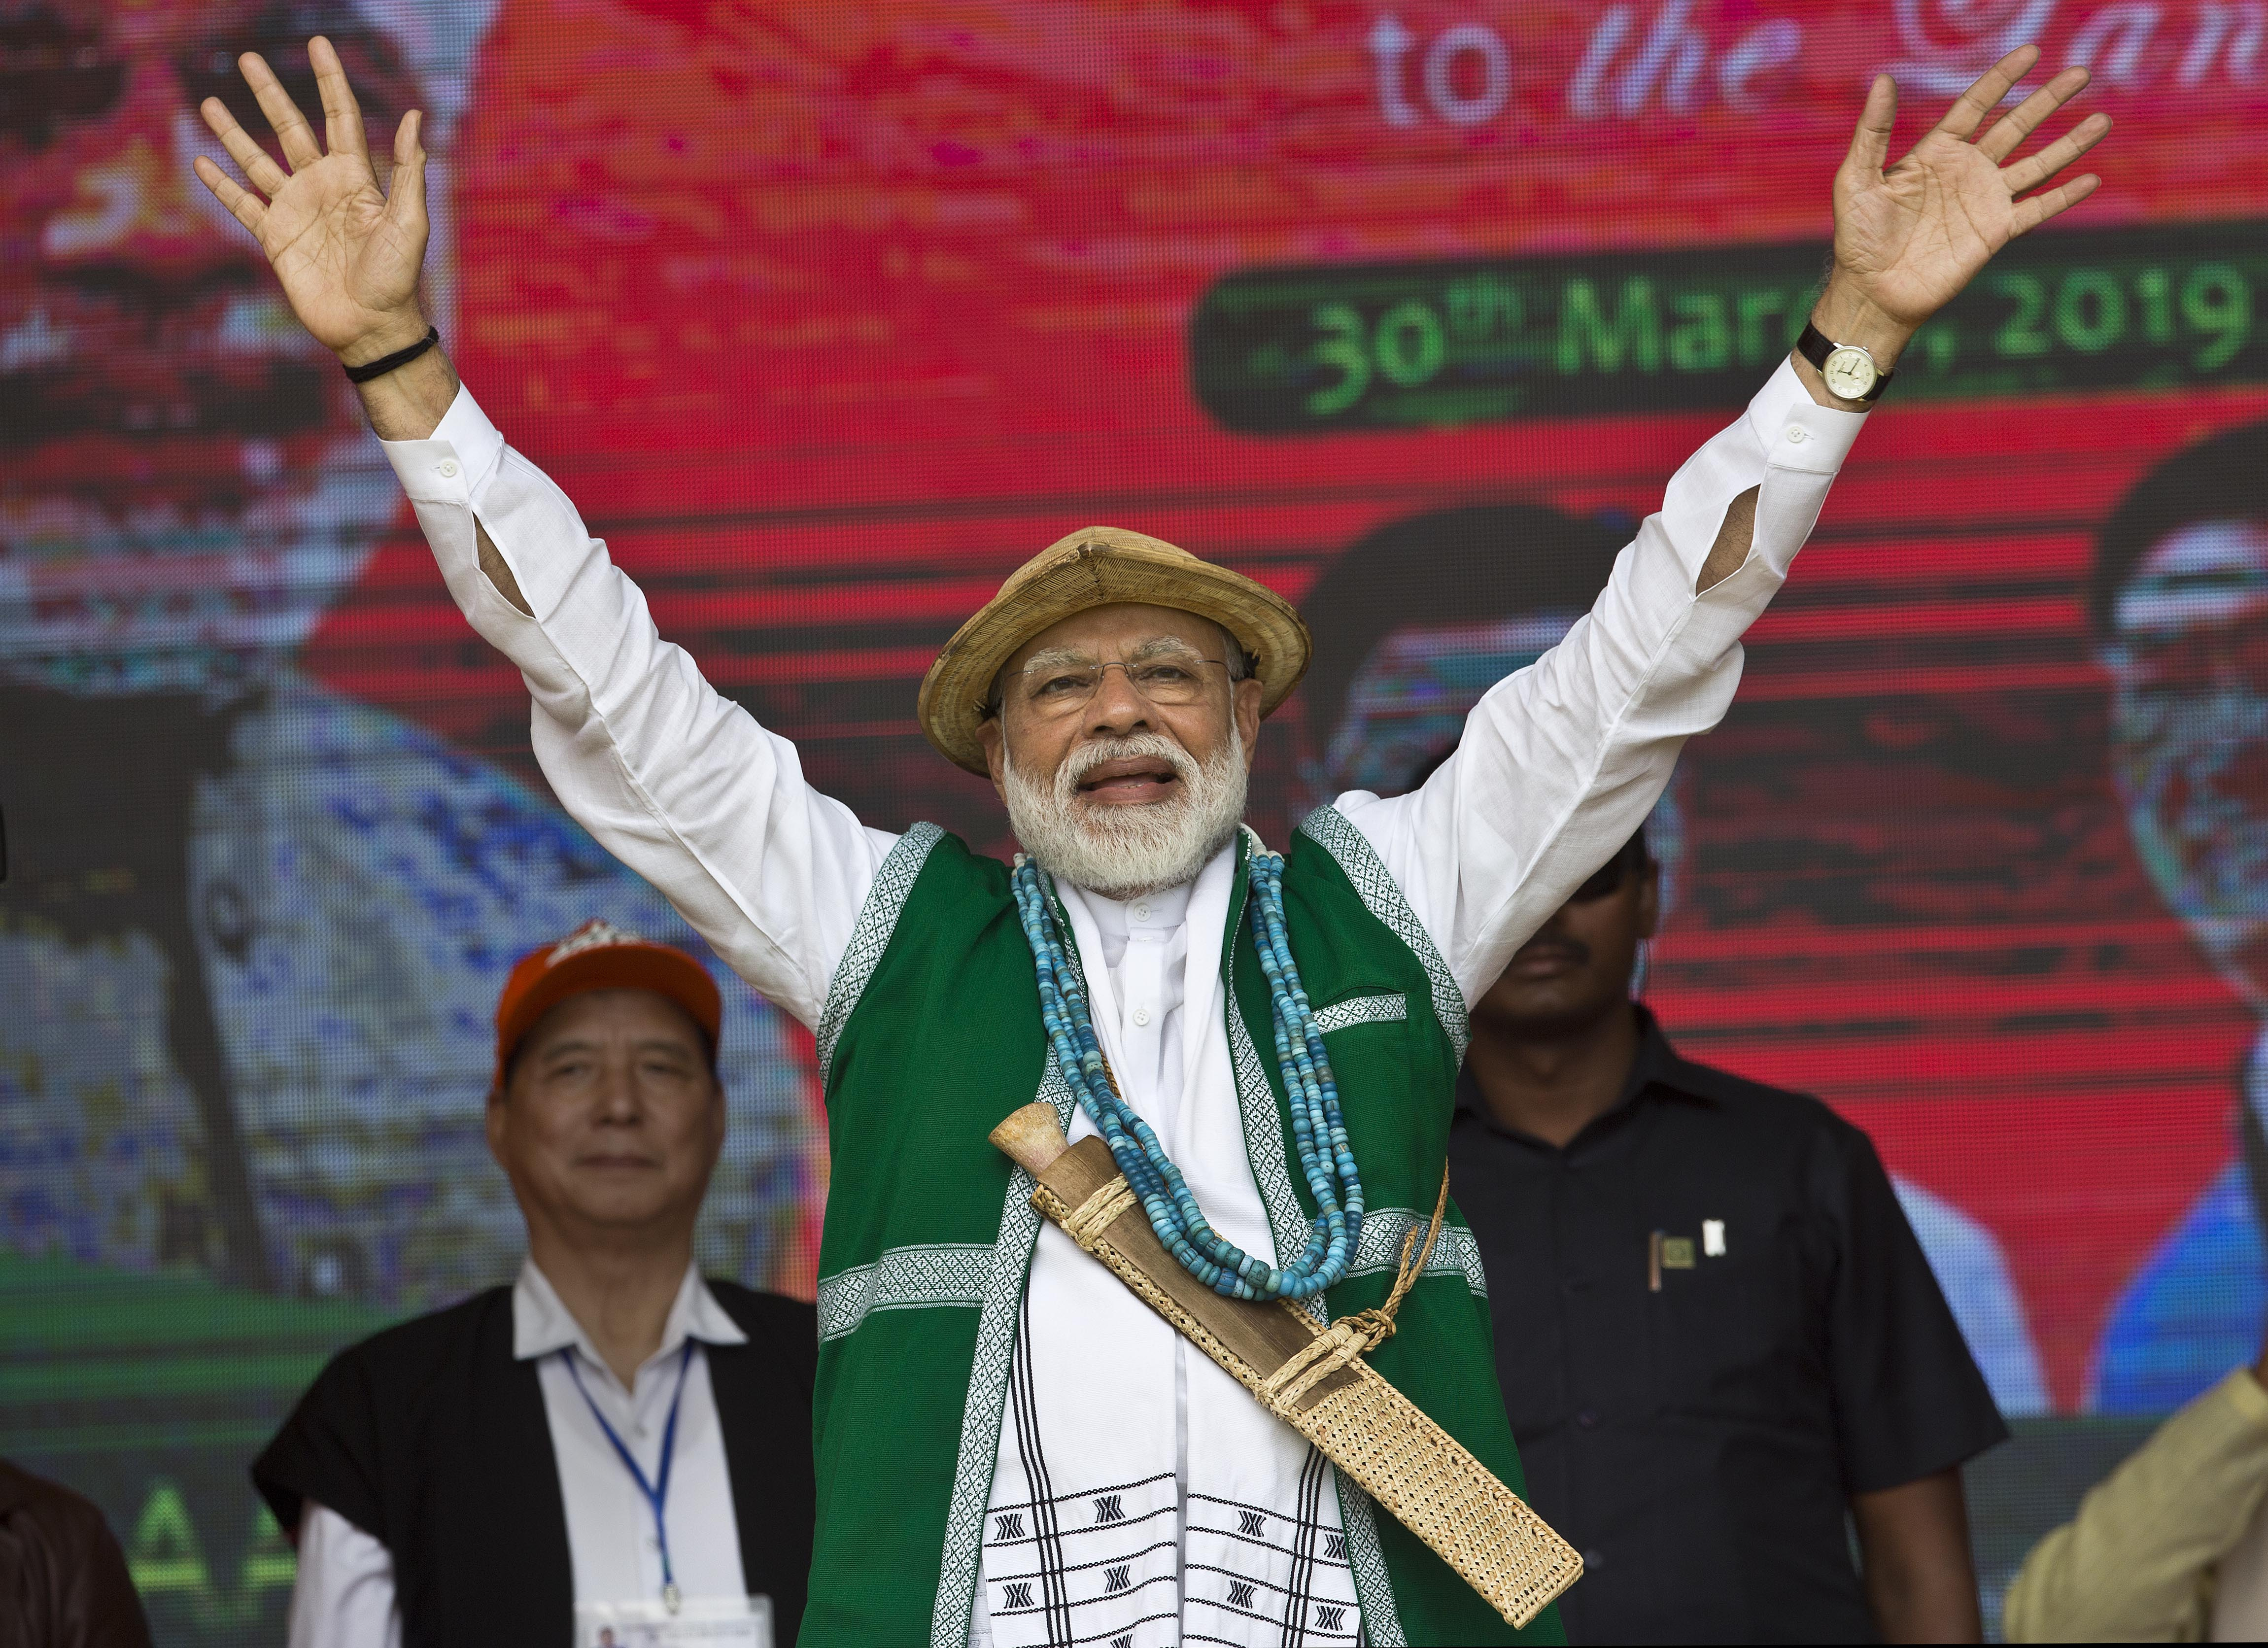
(1033, 1137)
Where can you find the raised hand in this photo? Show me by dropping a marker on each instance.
(347, 252)
(1908, 239)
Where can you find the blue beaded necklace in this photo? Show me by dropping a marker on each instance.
(1318, 1129)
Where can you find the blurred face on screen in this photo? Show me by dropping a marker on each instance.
(1407, 702)
(190, 483)
(2188, 659)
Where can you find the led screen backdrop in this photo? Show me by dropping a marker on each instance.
(828, 316)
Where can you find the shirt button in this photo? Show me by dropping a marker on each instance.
(1141, 1015)
(1595, 1559)
(1797, 434)
(446, 469)
(1587, 1419)
(1141, 912)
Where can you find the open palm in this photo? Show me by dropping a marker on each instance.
(347, 254)
(1911, 237)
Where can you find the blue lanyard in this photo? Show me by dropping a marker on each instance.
(656, 1492)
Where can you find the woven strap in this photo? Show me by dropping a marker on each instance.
(1333, 1349)
(1087, 1219)
(1350, 1336)
(1406, 1274)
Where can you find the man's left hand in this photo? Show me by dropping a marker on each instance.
(1908, 239)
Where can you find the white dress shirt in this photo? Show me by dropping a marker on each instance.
(1558, 764)
(344, 1593)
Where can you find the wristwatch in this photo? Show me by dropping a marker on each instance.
(1849, 370)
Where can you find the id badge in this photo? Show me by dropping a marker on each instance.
(728, 1622)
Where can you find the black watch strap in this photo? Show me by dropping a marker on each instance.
(1816, 346)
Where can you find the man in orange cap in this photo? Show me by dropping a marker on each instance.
(613, 1439)
(1010, 1445)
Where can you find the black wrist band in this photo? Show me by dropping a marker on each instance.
(386, 363)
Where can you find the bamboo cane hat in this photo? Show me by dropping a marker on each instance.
(1096, 566)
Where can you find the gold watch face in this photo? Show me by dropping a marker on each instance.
(1850, 372)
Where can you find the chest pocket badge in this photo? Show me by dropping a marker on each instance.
(1665, 1252)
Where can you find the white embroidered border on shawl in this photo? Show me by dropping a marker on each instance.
(1384, 1230)
(1329, 828)
(942, 1274)
(1382, 1622)
(878, 919)
(1264, 1148)
(987, 1390)
(1360, 1010)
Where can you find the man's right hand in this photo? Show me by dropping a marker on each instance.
(347, 252)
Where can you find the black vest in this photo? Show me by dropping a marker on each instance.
(432, 1439)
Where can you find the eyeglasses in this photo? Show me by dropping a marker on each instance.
(1064, 687)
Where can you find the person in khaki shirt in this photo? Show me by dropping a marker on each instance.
(2172, 1546)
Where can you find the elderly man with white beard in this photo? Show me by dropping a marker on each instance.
(1011, 1447)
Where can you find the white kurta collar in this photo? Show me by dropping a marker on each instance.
(1118, 920)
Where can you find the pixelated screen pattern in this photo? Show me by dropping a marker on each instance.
(827, 316)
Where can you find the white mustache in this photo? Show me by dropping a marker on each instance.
(1118, 852)
(1132, 746)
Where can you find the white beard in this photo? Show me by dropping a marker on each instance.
(1118, 852)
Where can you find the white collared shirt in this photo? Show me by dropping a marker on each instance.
(344, 1595)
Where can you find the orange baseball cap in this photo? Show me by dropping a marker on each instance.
(599, 956)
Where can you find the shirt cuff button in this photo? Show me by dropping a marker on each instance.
(446, 469)
(1797, 434)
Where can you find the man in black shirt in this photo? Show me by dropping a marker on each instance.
(1715, 1329)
